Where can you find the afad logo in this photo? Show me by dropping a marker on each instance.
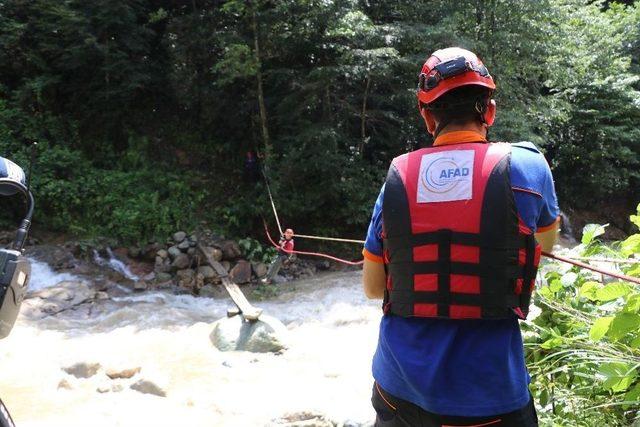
(443, 175)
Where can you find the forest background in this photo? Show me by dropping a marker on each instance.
(144, 109)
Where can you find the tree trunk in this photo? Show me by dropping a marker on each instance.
(479, 16)
(363, 116)
(263, 109)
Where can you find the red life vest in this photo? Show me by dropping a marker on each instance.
(454, 246)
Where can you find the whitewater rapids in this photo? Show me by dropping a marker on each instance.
(327, 369)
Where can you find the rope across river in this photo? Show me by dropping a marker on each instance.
(574, 261)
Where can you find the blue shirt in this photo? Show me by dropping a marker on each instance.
(467, 368)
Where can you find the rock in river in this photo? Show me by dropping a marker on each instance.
(267, 335)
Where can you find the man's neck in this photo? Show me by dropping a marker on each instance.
(470, 126)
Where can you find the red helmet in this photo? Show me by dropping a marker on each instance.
(447, 69)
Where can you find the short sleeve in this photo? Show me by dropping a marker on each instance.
(373, 244)
(533, 187)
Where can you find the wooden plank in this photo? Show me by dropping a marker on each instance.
(248, 311)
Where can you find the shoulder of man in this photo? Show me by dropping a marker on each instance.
(529, 168)
(526, 145)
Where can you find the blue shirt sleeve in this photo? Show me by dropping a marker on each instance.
(373, 243)
(533, 187)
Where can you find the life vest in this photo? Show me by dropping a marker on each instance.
(454, 246)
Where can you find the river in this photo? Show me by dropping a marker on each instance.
(326, 370)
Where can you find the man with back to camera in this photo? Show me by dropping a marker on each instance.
(452, 249)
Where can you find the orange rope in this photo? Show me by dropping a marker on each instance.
(344, 261)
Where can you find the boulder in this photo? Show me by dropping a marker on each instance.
(148, 387)
(184, 245)
(122, 373)
(55, 299)
(162, 277)
(259, 269)
(165, 267)
(208, 273)
(230, 249)
(267, 335)
(241, 272)
(64, 385)
(214, 253)
(181, 262)
(199, 281)
(186, 278)
(159, 260)
(179, 236)
(82, 369)
(140, 285)
(149, 251)
(162, 253)
(174, 252)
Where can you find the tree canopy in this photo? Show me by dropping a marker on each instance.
(144, 109)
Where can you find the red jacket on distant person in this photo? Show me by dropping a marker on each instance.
(286, 241)
(286, 245)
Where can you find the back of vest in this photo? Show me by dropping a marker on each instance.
(453, 243)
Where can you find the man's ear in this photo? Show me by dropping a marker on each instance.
(489, 115)
(429, 121)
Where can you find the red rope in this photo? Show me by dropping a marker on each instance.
(592, 268)
(344, 261)
(546, 254)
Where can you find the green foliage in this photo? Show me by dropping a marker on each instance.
(253, 250)
(583, 348)
(149, 94)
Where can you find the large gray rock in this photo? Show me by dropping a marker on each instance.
(259, 269)
(184, 245)
(214, 253)
(182, 261)
(163, 277)
(207, 272)
(148, 387)
(241, 272)
(267, 335)
(174, 252)
(230, 249)
(82, 369)
(56, 299)
(186, 278)
(179, 236)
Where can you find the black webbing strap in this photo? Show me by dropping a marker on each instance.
(493, 300)
(462, 268)
(529, 272)
(444, 272)
(457, 238)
